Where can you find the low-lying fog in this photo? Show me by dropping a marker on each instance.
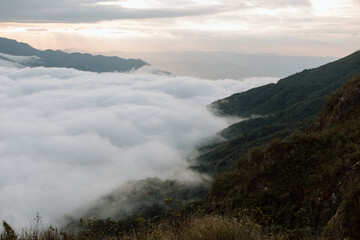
(68, 137)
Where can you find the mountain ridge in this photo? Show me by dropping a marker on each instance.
(280, 109)
(80, 61)
(231, 65)
(307, 181)
(265, 102)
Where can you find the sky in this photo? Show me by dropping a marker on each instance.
(285, 27)
(68, 137)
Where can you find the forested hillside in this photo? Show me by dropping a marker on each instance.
(274, 110)
(309, 182)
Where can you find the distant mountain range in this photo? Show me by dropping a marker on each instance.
(220, 65)
(212, 65)
(80, 61)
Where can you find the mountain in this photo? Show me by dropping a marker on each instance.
(308, 182)
(273, 110)
(220, 65)
(84, 62)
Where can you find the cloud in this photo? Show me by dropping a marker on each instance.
(88, 11)
(242, 4)
(287, 27)
(94, 11)
(282, 3)
(68, 137)
(142, 198)
(16, 61)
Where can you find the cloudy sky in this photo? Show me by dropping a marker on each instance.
(287, 27)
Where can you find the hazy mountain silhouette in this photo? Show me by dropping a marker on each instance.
(80, 61)
(220, 65)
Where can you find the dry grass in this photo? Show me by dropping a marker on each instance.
(217, 227)
(176, 227)
(211, 227)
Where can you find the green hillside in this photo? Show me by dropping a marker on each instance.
(309, 182)
(275, 110)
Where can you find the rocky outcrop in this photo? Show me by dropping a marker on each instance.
(345, 223)
(347, 99)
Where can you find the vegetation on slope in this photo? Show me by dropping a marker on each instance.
(143, 198)
(275, 111)
(176, 225)
(309, 181)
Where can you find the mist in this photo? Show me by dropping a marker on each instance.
(68, 138)
(219, 65)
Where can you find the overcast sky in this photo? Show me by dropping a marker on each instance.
(287, 27)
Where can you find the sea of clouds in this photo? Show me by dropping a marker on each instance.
(68, 137)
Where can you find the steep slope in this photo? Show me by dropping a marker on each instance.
(309, 182)
(84, 62)
(143, 198)
(273, 98)
(275, 110)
